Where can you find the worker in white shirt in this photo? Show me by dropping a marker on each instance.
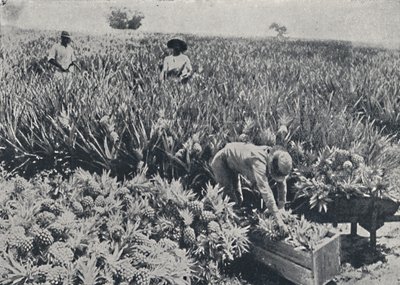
(61, 55)
(177, 65)
(256, 164)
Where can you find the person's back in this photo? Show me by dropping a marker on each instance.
(241, 155)
(255, 163)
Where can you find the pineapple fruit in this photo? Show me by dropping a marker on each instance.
(42, 237)
(25, 246)
(196, 207)
(87, 203)
(100, 201)
(357, 159)
(188, 234)
(142, 277)
(20, 185)
(125, 271)
(208, 216)
(149, 213)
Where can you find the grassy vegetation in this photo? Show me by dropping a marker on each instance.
(115, 116)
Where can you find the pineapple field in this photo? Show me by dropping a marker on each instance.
(105, 175)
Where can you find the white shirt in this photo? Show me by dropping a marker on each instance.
(61, 54)
(178, 65)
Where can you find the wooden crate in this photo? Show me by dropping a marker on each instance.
(304, 268)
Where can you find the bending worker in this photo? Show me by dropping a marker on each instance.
(255, 163)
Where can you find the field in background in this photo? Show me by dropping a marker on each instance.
(114, 113)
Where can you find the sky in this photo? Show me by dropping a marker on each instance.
(369, 21)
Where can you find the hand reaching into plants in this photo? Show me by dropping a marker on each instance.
(282, 228)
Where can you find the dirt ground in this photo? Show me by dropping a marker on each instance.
(363, 266)
(360, 264)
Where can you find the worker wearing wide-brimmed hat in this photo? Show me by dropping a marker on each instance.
(256, 164)
(177, 65)
(61, 55)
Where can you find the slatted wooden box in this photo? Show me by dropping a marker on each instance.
(316, 267)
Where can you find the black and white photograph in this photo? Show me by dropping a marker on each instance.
(199, 142)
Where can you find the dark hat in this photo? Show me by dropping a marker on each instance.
(65, 34)
(177, 43)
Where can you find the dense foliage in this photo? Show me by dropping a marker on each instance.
(94, 230)
(123, 18)
(114, 118)
(114, 113)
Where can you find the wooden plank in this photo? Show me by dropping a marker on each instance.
(284, 250)
(326, 260)
(395, 218)
(288, 269)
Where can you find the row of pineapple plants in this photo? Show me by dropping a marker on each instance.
(103, 118)
(91, 229)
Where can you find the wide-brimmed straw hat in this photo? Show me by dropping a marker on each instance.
(65, 34)
(177, 43)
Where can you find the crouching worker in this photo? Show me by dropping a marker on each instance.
(255, 163)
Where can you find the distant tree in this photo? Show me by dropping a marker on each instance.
(124, 18)
(280, 30)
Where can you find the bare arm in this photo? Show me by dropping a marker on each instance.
(267, 194)
(56, 64)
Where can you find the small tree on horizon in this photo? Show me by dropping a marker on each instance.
(279, 29)
(124, 18)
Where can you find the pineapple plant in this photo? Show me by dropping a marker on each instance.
(77, 208)
(60, 253)
(188, 234)
(213, 227)
(57, 230)
(45, 218)
(56, 275)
